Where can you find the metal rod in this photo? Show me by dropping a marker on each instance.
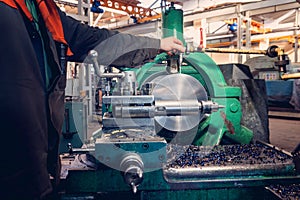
(153, 4)
(152, 111)
(112, 75)
(94, 57)
(239, 51)
(166, 108)
(290, 76)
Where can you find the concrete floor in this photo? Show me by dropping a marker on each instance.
(284, 133)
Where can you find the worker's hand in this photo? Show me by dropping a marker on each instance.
(171, 44)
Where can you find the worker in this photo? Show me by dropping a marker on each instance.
(36, 40)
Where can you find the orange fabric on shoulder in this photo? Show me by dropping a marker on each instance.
(50, 15)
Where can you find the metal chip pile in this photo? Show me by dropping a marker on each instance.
(290, 192)
(226, 155)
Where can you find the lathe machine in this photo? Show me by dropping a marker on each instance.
(176, 129)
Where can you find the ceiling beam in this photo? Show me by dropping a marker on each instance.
(131, 9)
(267, 6)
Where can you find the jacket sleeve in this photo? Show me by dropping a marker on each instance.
(114, 48)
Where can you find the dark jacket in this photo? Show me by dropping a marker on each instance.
(31, 118)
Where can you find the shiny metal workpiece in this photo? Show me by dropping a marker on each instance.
(179, 87)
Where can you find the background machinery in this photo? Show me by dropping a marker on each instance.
(179, 127)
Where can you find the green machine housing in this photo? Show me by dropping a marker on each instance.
(226, 121)
(136, 156)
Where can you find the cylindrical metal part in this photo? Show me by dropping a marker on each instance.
(166, 108)
(177, 103)
(173, 23)
(173, 65)
(133, 169)
(151, 111)
(208, 107)
(112, 75)
(239, 51)
(283, 61)
(290, 76)
(128, 83)
(133, 111)
(176, 111)
(176, 108)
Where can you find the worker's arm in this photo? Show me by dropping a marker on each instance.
(113, 48)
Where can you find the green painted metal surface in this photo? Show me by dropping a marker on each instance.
(111, 182)
(152, 152)
(173, 23)
(74, 130)
(212, 194)
(225, 122)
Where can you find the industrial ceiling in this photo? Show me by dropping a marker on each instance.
(272, 17)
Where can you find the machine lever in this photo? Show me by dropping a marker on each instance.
(98, 70)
